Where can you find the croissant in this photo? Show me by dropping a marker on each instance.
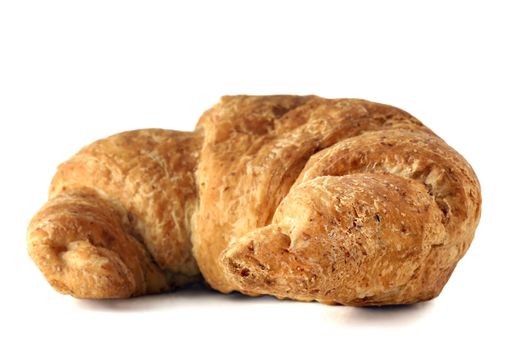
(342, 201)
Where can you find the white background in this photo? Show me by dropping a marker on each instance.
(75, 71)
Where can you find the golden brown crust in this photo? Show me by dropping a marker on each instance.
(151, 174)
(267, 162)
(341, 201)
(147, 176)
(79, 243)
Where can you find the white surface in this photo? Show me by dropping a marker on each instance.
(72, 72)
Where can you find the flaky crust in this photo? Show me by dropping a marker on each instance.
(335, 200)
(146, 179)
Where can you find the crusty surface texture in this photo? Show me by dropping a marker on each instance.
(136, 187)
(341, 201)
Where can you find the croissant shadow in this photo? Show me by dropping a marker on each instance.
(199, 295)
(196, 295)
(386, 315)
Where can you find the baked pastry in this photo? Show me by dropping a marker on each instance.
(336, 200)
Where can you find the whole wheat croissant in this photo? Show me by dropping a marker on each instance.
(340, 201)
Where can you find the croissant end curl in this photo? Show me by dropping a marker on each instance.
(337, 200)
